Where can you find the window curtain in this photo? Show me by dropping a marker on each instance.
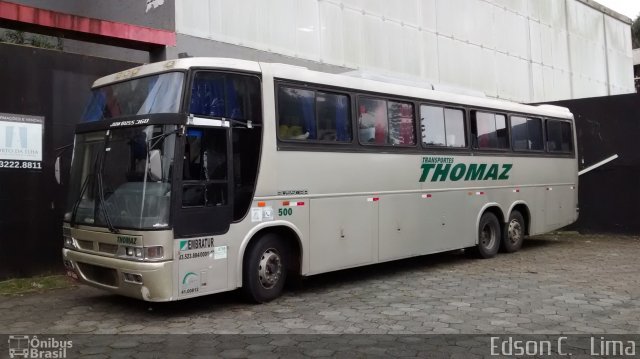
(164, 94)
(342, 128)
(308, 112)
(95, 108)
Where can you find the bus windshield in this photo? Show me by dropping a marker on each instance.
(121, 178)
(152, 94)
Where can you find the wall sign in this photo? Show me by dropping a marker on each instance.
(21, 141)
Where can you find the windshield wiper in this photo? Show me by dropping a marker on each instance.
(76, 205)
(101, 202)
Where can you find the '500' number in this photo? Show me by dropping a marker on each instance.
(285, 211)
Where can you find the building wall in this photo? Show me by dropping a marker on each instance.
(521, 50)
(53, 85)
(609, 195)
(157, 14)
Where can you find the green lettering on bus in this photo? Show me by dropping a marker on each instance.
(441, 172)
(457, 172)
(475, 172)
(505, 171)
(493, 172)
(425, 171)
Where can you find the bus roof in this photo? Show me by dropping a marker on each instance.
(302, 74)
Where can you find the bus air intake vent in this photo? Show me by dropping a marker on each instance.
(88, 245)
(107, 248)
(100, 275)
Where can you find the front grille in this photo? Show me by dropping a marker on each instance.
(102, 275)
(85, 244)
(107, 248)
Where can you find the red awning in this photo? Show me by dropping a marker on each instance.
(83, 28)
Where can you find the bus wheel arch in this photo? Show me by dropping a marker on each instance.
(488, 229)
(276, 246)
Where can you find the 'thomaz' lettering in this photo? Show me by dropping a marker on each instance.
(472, 172)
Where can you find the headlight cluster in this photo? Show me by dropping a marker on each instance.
(141, 253)
(68, 240)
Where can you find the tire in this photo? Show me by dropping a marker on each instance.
(264, 269)
(513, 233)
(488, 236)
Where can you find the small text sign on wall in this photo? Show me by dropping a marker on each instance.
(21, 141)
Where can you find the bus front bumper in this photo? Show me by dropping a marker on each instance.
(149, 281)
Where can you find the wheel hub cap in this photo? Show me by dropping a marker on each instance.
(515, 231)
(270, 268)
(487, 236)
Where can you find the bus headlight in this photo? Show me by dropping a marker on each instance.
(69, 243)
(154, 253)
(141, 253)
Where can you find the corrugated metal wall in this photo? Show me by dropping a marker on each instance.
(522, 50)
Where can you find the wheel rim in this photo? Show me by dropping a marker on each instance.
(488, 236)
(270, 268)
(515, 231)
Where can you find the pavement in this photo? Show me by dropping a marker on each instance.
(560, 283)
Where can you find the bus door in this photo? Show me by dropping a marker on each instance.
(204, 205)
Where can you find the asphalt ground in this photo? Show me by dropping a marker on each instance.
(560, 283)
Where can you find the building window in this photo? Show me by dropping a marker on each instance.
(442, 126)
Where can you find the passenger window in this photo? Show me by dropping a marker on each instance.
(559, 137)
(226, 95)
(385, 122)
(442, 126)
(205, 168)
(489, 130)
(313, 115)
(526, 134)
(334, 120)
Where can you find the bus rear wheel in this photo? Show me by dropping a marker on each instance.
(264, 269)
(488, 236)
(513, 233)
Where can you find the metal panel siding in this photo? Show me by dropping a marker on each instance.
(556, 49)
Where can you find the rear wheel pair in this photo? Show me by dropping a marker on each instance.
(491, 236)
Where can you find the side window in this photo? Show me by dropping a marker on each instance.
(313, 115)
(559, 136)
(489, 130)
(226, 95)
(526, 134)
(442, 126)
(385, 122)
(204, 170)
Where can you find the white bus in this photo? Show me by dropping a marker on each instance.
(203, 175)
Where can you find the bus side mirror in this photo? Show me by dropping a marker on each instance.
(155, 165)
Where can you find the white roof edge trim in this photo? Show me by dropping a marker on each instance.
(179, 64)
(554, 108)
(357, 83)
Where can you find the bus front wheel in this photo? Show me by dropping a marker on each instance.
(264, 269)
(513, 233)
(488, 236)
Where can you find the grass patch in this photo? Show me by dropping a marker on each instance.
(34, 284)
